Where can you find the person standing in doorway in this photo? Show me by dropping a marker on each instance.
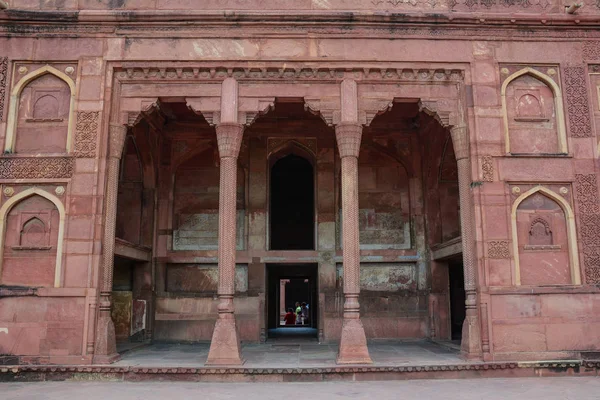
(305, 318)
(298, 313)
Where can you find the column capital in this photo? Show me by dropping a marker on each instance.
(348, 136)
(460, 141)
(117, 134)
(229, 138)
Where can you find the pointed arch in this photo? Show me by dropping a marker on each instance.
(130, 139)
(288, 147)
(443, 159)
(11, 123)
(377, 147)
(571, 233)
(28, 225)
(11, 202)
(558, 105)
(199, 148)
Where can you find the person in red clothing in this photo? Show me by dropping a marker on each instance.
(290, 317)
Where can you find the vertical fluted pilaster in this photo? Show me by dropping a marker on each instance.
(471, 331)
(105, 350)
(353, 342)
(225, 348)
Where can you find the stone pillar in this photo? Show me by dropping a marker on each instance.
(471, 331)
(282, 308)
(353, 342)
(105, 350)
(225, 348)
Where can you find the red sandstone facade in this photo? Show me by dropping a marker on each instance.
(451, 151)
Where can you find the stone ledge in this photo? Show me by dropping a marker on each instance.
(128, 373)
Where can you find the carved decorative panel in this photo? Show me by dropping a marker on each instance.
(591, 50)
(36, 168)
(589, 225)
(487, 168)
(43, 114)
(542, 240)
(3, 73)
(587, 194)
(30, 243)
(86, 134)
(531, 112)
(540, 233)
(498, 249)
(577, 102)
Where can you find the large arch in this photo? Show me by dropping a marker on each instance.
(10, 203)
(558, 105)
(14, 101)
(571, 233)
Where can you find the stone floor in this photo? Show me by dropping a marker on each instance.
(581, 388)
(286, 354)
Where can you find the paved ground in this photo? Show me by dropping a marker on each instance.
(579, 388)
(282, 354)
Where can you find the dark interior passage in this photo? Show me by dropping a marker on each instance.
(292, 204)
(287, 285)
(457, 299)
(297, 290)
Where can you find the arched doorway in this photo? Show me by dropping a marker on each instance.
(292, 210)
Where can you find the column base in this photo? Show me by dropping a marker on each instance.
(353, 343)
(105, 350)
(225, 347)
(108, 359)
(470, 345)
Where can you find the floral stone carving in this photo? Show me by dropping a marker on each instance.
(587, 200)
(36, 168)
(86, 133)
(577, 102)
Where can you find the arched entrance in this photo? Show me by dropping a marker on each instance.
(292, 215)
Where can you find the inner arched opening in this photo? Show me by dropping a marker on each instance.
(292, 204)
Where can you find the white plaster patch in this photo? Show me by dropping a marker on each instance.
(324, 4)
(216, 49)
(4, 330)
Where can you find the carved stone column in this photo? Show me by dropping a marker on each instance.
(353, 343)
(106, 347)
(225, 348)
(471, 331)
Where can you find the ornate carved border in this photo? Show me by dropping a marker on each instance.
(289, 71)
(36, 168)
(3, 77)
(578, 108)
(586, 188)
(336, 23)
